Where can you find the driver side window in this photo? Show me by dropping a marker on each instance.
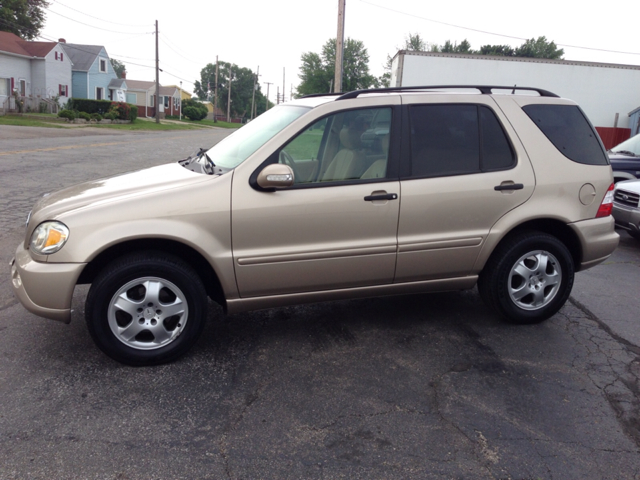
(345, 146)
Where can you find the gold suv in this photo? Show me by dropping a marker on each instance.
(369, 193)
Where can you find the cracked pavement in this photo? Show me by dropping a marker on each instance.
(422, 386)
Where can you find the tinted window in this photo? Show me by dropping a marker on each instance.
(456, 139)
(496, 149)
(569, 131)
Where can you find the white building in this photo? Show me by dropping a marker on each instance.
(35, 70)
(608, 93)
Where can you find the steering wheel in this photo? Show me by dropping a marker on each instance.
(286, 159)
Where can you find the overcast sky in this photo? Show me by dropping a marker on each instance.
(273, 34)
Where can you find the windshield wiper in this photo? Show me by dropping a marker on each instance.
(209, 166)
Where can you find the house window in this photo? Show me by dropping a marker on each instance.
(62, 90)
(99, 93)
(103, 65)
(167, 102)
(56, 55)
(152, 102)
(5, 86)
(23, 88)
(62, 57)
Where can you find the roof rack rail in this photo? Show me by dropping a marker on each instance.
(311, 95)
(484, 89)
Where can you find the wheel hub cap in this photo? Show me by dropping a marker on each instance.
(534, 280)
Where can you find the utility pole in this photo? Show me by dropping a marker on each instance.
(278, 95)
(180, 100)
(229, 97)
(157, 78)
(253, 96)
(266, 107)
(215, 97)
(283, 85)
(339, 47)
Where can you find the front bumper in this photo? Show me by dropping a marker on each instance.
(627, 217)
(598, 239)
(44, 289)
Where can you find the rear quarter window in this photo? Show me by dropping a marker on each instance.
(568, 129)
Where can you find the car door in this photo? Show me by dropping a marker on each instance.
(462, 169)
(336, 227)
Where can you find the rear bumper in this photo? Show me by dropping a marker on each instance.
(598, 240)
(44, 289)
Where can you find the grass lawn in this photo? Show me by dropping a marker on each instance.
(209, 123)
(29, 122)
(51, 121)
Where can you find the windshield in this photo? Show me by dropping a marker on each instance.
(629, 146)
(237, 147)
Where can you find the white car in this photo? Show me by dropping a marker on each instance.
(626, 207)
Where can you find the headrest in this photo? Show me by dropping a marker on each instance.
(350, 139)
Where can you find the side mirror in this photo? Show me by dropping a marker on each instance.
(276, 175)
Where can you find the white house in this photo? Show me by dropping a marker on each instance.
(35, 70)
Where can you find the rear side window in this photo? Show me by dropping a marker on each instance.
(457, 139)
(569, 131)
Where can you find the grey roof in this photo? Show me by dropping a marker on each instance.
(140, 85)
(118, 83)
(82, 56)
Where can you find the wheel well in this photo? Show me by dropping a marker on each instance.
(187, 254)
(555, 228)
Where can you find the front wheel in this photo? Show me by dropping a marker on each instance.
(146, 308)
(528, 278)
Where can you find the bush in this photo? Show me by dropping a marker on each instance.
(124, 111)
(89, 106)
(111, 116)
(195, 113)
(194, 110)
(68, 114)
(96, 116)
(84, 116)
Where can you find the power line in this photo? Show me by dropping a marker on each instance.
(178, 53)
(92, 26)
(491, 33)
(97, 18)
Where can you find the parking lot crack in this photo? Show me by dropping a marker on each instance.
(630, 346)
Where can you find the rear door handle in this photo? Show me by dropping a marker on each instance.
(509, 186)
(384, 196)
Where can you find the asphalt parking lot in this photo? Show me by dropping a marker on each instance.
(422, 386)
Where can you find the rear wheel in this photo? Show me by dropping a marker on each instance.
(528, 278)
(146, 308)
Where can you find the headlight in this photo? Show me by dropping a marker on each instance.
(49, 237)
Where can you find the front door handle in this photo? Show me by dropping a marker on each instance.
(509, 186)
(383, 196)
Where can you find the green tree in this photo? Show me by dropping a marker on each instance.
(539, 48)
(118, 67)
(242, 84)
(412, 43)
(498, 50)
(318, 70)
(24, 18)
(448, 47)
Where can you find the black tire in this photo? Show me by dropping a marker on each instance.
(634, 234)
(528, 278)
(146, 308)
